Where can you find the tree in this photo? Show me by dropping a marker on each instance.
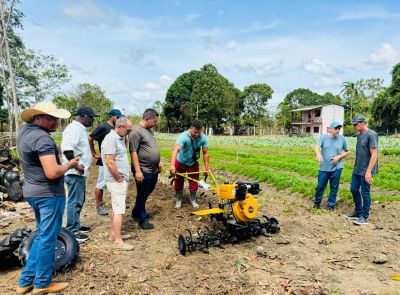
(386, 107)
(350, 92)
(255, 101)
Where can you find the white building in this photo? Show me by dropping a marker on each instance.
(315, 120)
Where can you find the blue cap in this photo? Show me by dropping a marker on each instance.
(115, 112)
(335, 124)
(358, 119)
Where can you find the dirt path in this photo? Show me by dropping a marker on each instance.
(315, 253)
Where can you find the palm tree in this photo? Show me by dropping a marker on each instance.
(350, 90)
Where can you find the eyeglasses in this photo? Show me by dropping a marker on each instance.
(337, 128)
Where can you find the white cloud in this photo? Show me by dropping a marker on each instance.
(314, 66)
(365, 13)
(149, 92)
(87, 11)
(257, 27)
(385, 56)
(137, 57)
(191, 17)
(261, 69)
(324, 82)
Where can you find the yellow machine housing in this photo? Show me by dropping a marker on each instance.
(245, 210)
(227, 191)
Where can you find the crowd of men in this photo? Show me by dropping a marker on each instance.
(45, 175)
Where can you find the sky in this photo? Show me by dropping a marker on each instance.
(134, 50)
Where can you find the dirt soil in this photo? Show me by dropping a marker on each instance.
(316, 252)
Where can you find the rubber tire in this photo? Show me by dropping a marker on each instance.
(14, 191)
(182, 244)
(66, 254)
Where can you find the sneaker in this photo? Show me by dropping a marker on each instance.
(330, 208)
(146, 225)
(351, 216)
(85, 229)
(24, 290)
(52, 288)
(361, 221)
(81, 238)
(124, 247)
(315, 206)
(101, 210)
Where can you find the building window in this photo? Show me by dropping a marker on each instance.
(308, 129)
(317, 113)
(316, 129)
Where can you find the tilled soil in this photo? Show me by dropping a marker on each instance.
(316, 252)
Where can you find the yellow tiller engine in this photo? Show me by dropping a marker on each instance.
(237, 210)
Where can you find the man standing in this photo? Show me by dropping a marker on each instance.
(185, 159)
(146, 165)
(44, 191)
(365, 167)
(330, 151)
(75, 143)
(116, 173)
(98, 135)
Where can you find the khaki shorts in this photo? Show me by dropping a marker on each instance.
(118, 195)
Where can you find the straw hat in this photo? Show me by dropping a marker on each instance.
(44, 108)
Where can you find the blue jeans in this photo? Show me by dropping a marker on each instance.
(334, 179)
(362, 201)
(42, 255)
(76, 198)
(144, 189)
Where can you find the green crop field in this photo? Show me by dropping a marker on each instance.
(289, 163)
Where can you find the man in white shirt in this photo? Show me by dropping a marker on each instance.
(75, 144)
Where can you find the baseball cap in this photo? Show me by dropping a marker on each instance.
(335, 124)
(86, 111)
(358, 119)
(115, 112)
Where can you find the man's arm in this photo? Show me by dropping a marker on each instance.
(206, 158)
(136, 171)
(110, 162)
(51, 168)
(337, 158)
(70, 155)
(92, 149)
(175, 152)
(317, 151)
(372, 162)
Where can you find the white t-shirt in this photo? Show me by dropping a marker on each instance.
(74, 138)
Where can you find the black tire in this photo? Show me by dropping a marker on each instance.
(67, 250)
(7, 247)
(182, 244)
(14, 191)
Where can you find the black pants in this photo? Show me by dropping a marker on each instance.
(144, 189)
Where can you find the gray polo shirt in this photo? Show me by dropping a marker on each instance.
(143, 142)
(34, 142)
(365, 141)
(113, 144)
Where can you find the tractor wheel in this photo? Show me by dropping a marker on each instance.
(182, 244)
(67, 250)
(14, 191)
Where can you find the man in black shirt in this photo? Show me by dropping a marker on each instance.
(98, 135)
(44, 191)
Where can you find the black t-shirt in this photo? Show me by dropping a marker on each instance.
(98, 135)
(32, 143)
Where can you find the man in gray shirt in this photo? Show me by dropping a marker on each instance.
(116, 174)
(146, 165)
(365, 166)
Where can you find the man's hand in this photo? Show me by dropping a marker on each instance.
(97, 156)
(80, 168)
(172, 170)
(74, 163)
(139, 176)
(160, 167)
(335, 159)
(319, 158)
(368, 177)
(120, 179)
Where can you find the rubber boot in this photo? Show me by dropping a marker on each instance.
(192, 199)
(178, 203)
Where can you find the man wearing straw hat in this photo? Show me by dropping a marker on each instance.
(44, 191)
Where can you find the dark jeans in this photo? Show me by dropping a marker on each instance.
(41, 260)
(144, 189)
(362, 201)
(76, 198)
(334, 179)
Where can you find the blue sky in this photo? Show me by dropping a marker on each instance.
(134, 50)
